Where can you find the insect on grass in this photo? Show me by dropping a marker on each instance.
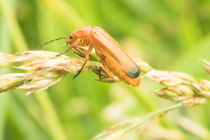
(115, 61)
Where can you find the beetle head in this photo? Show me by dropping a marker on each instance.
(83, 33)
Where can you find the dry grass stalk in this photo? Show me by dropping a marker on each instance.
(207, 65)
(181, 87)
(47, 69)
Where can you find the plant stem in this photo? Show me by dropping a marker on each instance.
(50, 116)
(13, 26)
(150, 115)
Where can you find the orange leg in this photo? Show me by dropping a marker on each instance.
(86, 59)
(70, 46)
(82, 43)
(107, 70)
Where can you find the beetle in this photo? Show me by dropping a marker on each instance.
(115, 61)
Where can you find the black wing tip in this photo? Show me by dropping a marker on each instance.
(133, 72)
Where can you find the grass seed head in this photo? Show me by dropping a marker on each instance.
(175, 93)
(194, 101)
(207, 65)
(11, 81)
(6, 59)
(143, 66)
(168, 78)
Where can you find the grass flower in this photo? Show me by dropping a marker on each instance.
(6, 59)
(207, 65)
(43, 69)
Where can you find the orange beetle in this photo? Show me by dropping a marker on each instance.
(114, 60)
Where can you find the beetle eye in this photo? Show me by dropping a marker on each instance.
(70, 37)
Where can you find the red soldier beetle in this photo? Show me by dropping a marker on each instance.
(114, 60)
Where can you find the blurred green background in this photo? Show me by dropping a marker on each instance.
(169, 35)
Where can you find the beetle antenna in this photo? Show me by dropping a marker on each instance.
(46, 43)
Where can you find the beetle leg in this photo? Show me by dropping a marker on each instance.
(105, 68)
(82, 43)
(70, 46)
(99, 72)
(86, 59)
